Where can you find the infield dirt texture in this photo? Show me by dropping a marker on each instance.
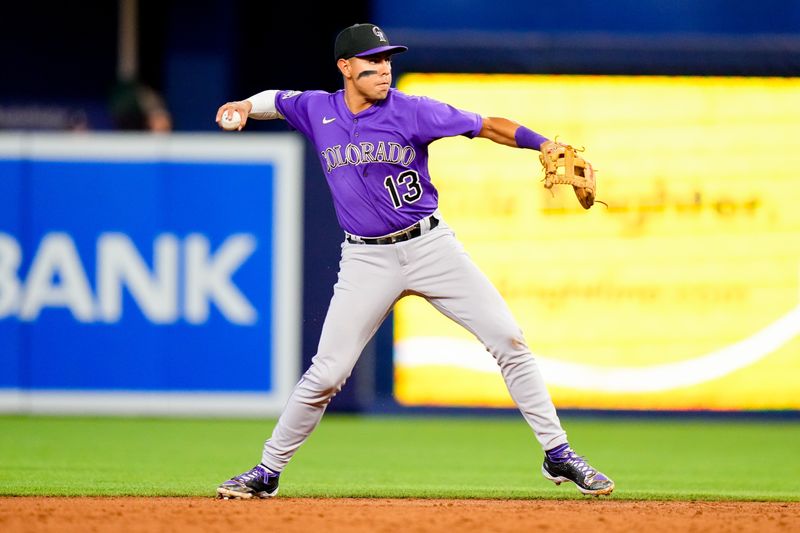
(397, 474)
(69, 515)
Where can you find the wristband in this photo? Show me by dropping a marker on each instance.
(526, 138)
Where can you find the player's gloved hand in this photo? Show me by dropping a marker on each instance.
(562, 166)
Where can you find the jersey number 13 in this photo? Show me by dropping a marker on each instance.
(410, 180)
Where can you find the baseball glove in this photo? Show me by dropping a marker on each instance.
(562, 166)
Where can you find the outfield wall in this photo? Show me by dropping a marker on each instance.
(147, 274)
(683, 293)
(162, 274)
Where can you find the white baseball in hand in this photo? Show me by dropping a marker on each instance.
(230, 120)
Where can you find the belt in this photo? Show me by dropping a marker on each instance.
(400, 236)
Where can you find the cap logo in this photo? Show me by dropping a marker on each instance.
(379, 34)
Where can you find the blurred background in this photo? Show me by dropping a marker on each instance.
(150, 263)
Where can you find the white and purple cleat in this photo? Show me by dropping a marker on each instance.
(258, 482)
(561, 464)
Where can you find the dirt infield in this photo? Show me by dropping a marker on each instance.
(382, 515)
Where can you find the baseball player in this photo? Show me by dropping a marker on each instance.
(372, 141)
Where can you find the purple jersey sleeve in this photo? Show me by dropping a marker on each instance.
(436, 120)
(293, 105)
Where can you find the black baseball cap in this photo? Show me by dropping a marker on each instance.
(361, 40)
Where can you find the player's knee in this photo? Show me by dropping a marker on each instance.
(509, 347)
(330, 385)
(324, 381)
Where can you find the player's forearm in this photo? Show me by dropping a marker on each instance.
(510, 133)
(262, 106)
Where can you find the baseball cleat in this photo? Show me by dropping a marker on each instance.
(258, 482)
(568, 466)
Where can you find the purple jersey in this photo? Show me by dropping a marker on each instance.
(376, 162)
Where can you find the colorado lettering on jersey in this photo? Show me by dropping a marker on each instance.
(367, 152)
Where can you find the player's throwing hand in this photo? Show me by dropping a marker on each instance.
(242, 107)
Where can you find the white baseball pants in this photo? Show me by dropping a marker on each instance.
(371, 279)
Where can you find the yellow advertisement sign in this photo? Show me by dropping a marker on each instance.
(684, 293)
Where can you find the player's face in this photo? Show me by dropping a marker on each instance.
(372, 75)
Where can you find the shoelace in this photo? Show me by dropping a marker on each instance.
(580, 463)
(250, 475)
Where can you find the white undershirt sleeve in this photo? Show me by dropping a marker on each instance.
(264, 106)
